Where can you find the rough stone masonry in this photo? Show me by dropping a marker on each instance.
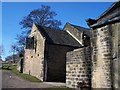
(78, 67)
(104, 53)
(105, 42)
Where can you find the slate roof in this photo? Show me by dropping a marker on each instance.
(110, 9)
(86, 30)
(107, 17)
(60, 37)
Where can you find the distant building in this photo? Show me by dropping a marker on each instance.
(1, 61)
(20, 63)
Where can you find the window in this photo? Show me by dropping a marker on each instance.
(30, 43)
(35, 41)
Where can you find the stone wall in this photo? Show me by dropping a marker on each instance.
(34, 58)
(105, 57)
(78, 67)
(56, 62)
(101, 73)
(115, 28)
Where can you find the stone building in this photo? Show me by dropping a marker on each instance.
(105, 43)
(81, 34)
(77, 55)
(78, 63)
(20, 63)
(45, 51)
(97, 65)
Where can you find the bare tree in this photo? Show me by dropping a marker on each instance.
(14, 50)
(42, 16)
(1, 51)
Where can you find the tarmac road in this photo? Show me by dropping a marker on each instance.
(10, 80)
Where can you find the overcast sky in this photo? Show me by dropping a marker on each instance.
(75, 13)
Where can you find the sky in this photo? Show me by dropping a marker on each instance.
(72, 12)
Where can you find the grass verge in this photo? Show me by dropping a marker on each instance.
(13, 68)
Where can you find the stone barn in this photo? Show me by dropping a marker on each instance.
(106, 48)
(81, 34)
(45, 52)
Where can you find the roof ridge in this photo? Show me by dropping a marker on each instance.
(78, 26)
(108, 9)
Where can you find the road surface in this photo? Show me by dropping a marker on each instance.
(10, 80)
